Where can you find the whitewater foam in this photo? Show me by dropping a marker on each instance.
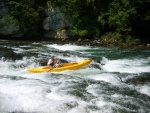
(68, 47)
(144, 89)
(127, 66)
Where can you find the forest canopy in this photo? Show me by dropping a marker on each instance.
(90, 18)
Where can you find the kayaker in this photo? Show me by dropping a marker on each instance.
(51, 62)
(57, 64)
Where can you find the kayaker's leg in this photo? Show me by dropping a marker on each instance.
(58, 65)
(50, 66)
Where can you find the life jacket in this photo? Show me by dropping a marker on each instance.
(53, 62)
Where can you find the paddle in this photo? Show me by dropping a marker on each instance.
(49, 70)
(47, 67)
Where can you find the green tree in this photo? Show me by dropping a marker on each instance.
(141, 22)
(9, 23)
(84, 18)
(89, 17)
(28, 14)
(119, 15)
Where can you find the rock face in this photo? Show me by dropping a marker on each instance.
(56, 24)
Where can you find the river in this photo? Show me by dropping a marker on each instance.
(116, 81)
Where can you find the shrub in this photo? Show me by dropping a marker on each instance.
(112, 38)
(130, 41)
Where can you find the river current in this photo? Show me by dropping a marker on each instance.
(116, 81)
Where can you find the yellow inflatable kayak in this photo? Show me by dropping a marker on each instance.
(64, 67)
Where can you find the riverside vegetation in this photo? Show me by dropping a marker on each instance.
(111, 22)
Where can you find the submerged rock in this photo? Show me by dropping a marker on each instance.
(142, 79)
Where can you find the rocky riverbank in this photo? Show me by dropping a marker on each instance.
(102, 43)
(77, 41)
